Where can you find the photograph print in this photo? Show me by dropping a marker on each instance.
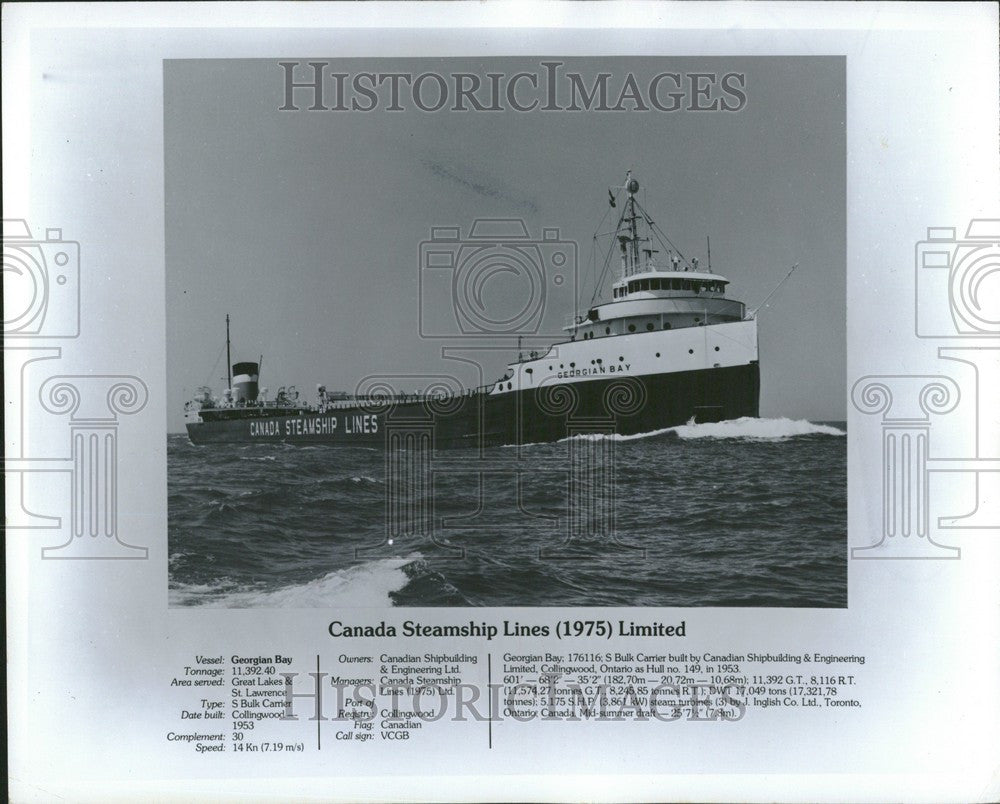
(516, 331)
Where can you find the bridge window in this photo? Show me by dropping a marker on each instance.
(643, 284)
(654, 284)
(687, 284)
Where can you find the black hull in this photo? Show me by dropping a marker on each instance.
(626, 406)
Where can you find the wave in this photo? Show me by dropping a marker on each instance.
(367, 584)
(746, 427)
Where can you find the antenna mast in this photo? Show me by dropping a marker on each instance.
(631, 221)
(229, 361)
(629, 239)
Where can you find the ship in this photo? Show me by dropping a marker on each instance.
(668, 348)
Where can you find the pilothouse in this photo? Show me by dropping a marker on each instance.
(647, 297)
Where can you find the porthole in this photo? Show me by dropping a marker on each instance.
(599, 361)
(690, 351)
(666, 325)
(508, 386)
(631, 327)
(716, 348)
(561, 365)
(657, 354)
(592, 362)
(607, 330)
(550, 368)
(697, 320)
(530, 371)
(572, 365)
(620, 357)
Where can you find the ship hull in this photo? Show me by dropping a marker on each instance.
(622, 405)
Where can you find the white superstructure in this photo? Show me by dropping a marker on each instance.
(659, 320)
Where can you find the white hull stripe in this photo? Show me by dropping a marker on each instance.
(637, 355)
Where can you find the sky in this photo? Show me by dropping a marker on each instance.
(306, 227)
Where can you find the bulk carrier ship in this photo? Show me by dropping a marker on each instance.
(669, 348)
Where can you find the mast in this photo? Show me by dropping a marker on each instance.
(632, 186)
(629, 238)
(229, 361)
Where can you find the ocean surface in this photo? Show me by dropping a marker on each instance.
(751, 512)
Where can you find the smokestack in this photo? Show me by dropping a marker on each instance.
(245, 376)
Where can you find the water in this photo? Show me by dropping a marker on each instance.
(745, 513)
